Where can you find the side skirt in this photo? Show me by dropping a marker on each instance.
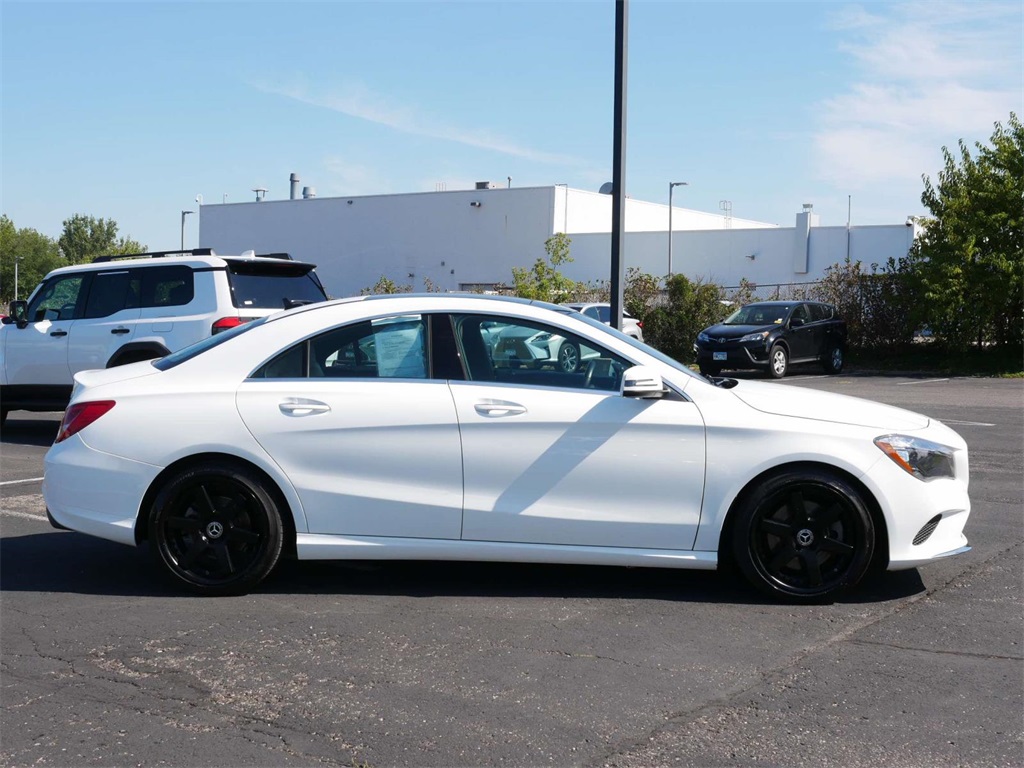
(312, 546)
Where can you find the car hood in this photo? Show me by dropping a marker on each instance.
(735, 331)
(787, 400)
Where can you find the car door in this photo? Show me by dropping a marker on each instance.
(801, 334)
(368, 438)
(556, 457)
(108, 321)
(37, 354)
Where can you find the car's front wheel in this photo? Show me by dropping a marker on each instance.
(778, 361)
(804, 536)
(216, 528)
(569, 357)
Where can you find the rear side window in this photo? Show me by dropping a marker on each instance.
(272, 284)
(108, 293)
(172, 286)
(822, 311)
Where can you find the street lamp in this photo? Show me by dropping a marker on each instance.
(672, 185)
(183, 215)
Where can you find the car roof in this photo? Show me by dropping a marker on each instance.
(190, 260)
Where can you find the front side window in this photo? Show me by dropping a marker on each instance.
(801, 313)
(58, 299)
(514, 351)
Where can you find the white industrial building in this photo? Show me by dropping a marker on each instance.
(471, 239)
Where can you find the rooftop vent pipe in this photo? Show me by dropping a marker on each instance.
(308, 193)
(294, 179)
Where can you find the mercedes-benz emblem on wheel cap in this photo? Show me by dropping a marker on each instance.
(215, 529)
(805, 537)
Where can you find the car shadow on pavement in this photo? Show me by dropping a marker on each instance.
(39, 432)
(68, 562)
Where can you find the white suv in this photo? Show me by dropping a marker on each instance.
(123, 309)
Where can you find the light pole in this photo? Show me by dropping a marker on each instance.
(672, 185)
(183, 215)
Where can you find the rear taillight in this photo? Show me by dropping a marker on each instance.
(639, 324)
(226, 323)
(81, 415)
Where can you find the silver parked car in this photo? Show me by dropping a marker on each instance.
(602, 312)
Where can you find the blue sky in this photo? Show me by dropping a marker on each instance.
(129, 110)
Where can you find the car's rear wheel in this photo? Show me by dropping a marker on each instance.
(216, 528)
(804, 536)
(833, 362)
(778, 361)
(569, 357)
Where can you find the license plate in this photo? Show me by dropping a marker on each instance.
(719, 355)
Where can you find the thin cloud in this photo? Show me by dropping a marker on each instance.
(358, 102)
(928, 75)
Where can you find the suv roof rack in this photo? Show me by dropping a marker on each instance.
(155, 255)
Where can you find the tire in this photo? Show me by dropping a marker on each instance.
(804, 536)
(709, 370)
(778, 361)
(3, 416)
(569, 357)
(216, 529)
(833, 362)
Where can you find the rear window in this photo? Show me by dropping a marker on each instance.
(193, 350)
(273, 284)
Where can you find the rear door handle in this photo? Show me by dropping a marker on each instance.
(58, 333)
(120, 330)
(300, 406)
(498, 408)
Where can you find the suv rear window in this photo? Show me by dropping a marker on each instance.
(273, 284)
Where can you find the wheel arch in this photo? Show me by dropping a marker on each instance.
(201, 459)
(131, 352)
(879, 560)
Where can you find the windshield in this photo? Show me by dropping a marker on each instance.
(192, 350)
(759, 314)
(660, 356)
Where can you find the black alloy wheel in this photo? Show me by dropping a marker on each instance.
(804, 536)
(216, 528)
(778, 361)
(569, 357)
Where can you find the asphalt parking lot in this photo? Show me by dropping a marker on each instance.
(425, 664)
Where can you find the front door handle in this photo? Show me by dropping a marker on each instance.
(497, 408)
(58, 334)
(120, 330)
(300, 406)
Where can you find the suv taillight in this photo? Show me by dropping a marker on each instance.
(226, 323)
(81, 415)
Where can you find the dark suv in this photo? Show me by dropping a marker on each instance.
(772, 335)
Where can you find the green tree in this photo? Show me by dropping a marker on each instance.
(544, 281)
(692, 306)
(969, 258)
(36, 255)
(85, 237)
(385, 286)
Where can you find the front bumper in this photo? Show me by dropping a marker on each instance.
(743, 356)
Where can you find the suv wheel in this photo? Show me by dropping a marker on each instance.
(833, 362)
(778, 361)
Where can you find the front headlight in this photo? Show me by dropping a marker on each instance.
(703, 337)
(759, 336)
(922, 458)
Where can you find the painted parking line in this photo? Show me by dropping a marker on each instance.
(926, 381)
(25, 515)
(26, 480)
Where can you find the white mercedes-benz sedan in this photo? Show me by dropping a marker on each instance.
(389, 427)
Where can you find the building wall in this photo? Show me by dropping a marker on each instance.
(444, 237)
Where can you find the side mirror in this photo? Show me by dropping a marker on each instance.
(796, 322)
(18, 313)
(641, 381)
